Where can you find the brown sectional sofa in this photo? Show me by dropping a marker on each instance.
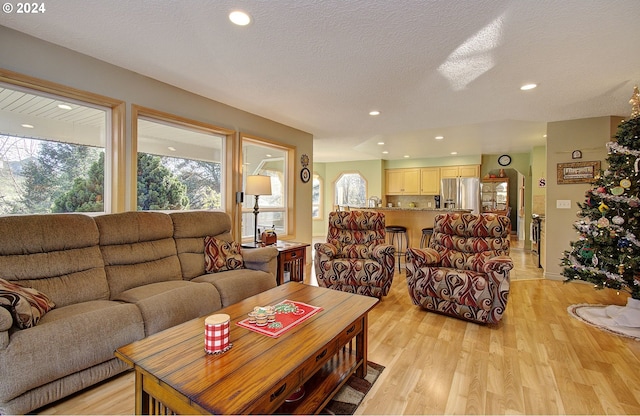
(115, 279)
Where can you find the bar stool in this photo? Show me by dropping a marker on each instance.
(427, 232)
(401, 232)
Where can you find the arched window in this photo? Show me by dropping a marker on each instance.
(351, 190)
(316, 198)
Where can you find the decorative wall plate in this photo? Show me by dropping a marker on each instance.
(305, 175)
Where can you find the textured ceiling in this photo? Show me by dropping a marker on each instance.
(451, 67)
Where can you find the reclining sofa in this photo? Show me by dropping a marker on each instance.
(113, 279)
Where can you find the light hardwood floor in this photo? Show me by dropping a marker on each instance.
(538, 360)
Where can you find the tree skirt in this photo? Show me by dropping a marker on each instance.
(620, 320)
(351, 394)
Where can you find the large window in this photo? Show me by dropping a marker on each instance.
(264, 158)
(351, 190)
(179, 164)
(54, 153)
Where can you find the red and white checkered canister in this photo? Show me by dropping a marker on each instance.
(216, 333)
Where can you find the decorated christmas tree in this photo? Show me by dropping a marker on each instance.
(607, 252)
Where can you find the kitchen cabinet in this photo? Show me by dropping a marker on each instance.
(449, 172)
(469, 171)
(424, 181)
(495, 195)
(402, 181)
(465, 171)
(414, 219)
(430, 181)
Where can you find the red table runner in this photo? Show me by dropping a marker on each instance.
(289, 313)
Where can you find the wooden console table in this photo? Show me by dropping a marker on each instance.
(292, 258)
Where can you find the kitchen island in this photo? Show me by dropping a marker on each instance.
(415, 219)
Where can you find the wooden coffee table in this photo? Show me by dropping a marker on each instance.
(175, 375)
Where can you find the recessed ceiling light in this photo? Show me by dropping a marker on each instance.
(267, 155)
(454, 153)
(64, 106)
(27, 126)
(439, 137)
(239, 18)
(385, 152)
(374, 113)
(173, 149)
(544, 135)
(380, 143)
(528, 87)
(406, 156)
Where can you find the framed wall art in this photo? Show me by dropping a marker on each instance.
(578, 172)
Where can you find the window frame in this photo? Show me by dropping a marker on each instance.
(320, 203)
(138, 111)
(289, 182)
(115, 151)
(350, 172)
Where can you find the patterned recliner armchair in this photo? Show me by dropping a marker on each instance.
(355, 258)
(465, 270)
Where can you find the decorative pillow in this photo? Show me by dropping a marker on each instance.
(26, 305)
(220, 255)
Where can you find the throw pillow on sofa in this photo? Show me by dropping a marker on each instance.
(220, 255)
(26, 305)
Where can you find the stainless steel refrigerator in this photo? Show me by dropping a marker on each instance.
(460, 193)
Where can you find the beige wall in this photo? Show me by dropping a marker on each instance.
(538, 176)
(436, 161)
(37, 58)
(563, 137)
(520, 162)
(371, 170)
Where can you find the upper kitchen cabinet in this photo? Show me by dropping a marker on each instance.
(495, 195)
(430, 181)
(466, 171)
(403, 181)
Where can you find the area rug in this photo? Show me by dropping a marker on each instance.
(600, 317)
(352, 393)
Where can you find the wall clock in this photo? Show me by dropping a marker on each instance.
(504, 160)
(305, 175)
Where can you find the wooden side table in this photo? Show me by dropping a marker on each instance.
(292, 258)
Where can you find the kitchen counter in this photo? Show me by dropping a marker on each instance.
(415, 219)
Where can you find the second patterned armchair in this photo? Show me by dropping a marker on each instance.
(355, 257)
(465, 270)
